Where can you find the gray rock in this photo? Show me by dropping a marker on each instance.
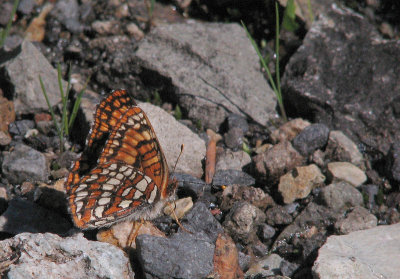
(393, 162)
(237, 121)
(166, 125)
(369, 191)
(366, 254)
(23, 70)
(341, 74)
(181, 256)
(342, 149)
(26, 6)
(276, 161)
(50, 256)
(234, 160)
(358, 219)
(340, 196)
(20, 127)
(311, 138)
(230, 177)
(289, 130)
(309, 222)
(266, 232)
(24, 216)
(242, 220)
(234, 138)
(278, 215)
(190, 185)
(24, 164)
(212, 68)
(67, 11)
(200, 220)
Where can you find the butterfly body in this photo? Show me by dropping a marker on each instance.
(122, 174)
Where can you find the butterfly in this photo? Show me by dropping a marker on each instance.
(122, 173)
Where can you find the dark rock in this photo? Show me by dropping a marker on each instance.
(181, 256)
(309, 247)
(209, 86)
(242, 220)
(5, 12)
(276, 161)
(344, 76)
(278, 215)
(27, 92)
(23, 216)
(230, 177)
(66, 159)
(265, 267)
(20, 127)
(244, 261)
(392, 168)
(288, 268)
(24, 163)
(340, 196)
(234, 138)
(189, 185)
(313, 219)
(311, 138)
(200, 221)
(50, 256)
(237, 121)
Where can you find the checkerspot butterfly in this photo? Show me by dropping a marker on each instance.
(122, 173)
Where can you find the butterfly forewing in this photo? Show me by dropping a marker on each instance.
(122, 173)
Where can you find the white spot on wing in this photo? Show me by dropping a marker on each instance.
(112, 167)
(82, 194)
(153, 195)
(113, 181)
(125, 203)
(142, 185)
(104, 201)
(107, 187)
(137, 195)
(119, 176)
(106, 194)
(123, 168)
(98, 212)
(126, 191)
(79, 206)
(81, 187)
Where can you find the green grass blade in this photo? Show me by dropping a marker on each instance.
(264, 64)
(59, 132)
(76, 105)
(63, 99)
(289, 17)
(5, 31)
(310, 12)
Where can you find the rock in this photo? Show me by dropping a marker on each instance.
(50, 256)
(226, 258)
(370, 192)
(276, 161)
(200, 221)
(21, 127)
(298, 183)
(26, 6)
(134, 31)
(209, 86)
(7, 113)
(254, 196)
(27, 94)
(3, 198)
(234, 160)
(342, 149)
(24, 163)
(179, 208)
(230, 177)
(106, 27)
(266, 233)
(268, 266)
(67, 12)
(372, 253)
(358, 219)
(278, 215)
(311, 138)
(164, 126)
(392, 168)
(344, 171)
(340, 196)
(234, 138)
(312, 221)
(319, 80)
(289, 130)
(5, 11)
(242, 220)
(237, 121)
(181, 256)
(191, 186)
(24, 216)
(5, 138)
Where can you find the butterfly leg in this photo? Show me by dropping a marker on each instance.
(134, 232)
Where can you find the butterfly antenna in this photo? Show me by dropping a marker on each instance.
(180, 153)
